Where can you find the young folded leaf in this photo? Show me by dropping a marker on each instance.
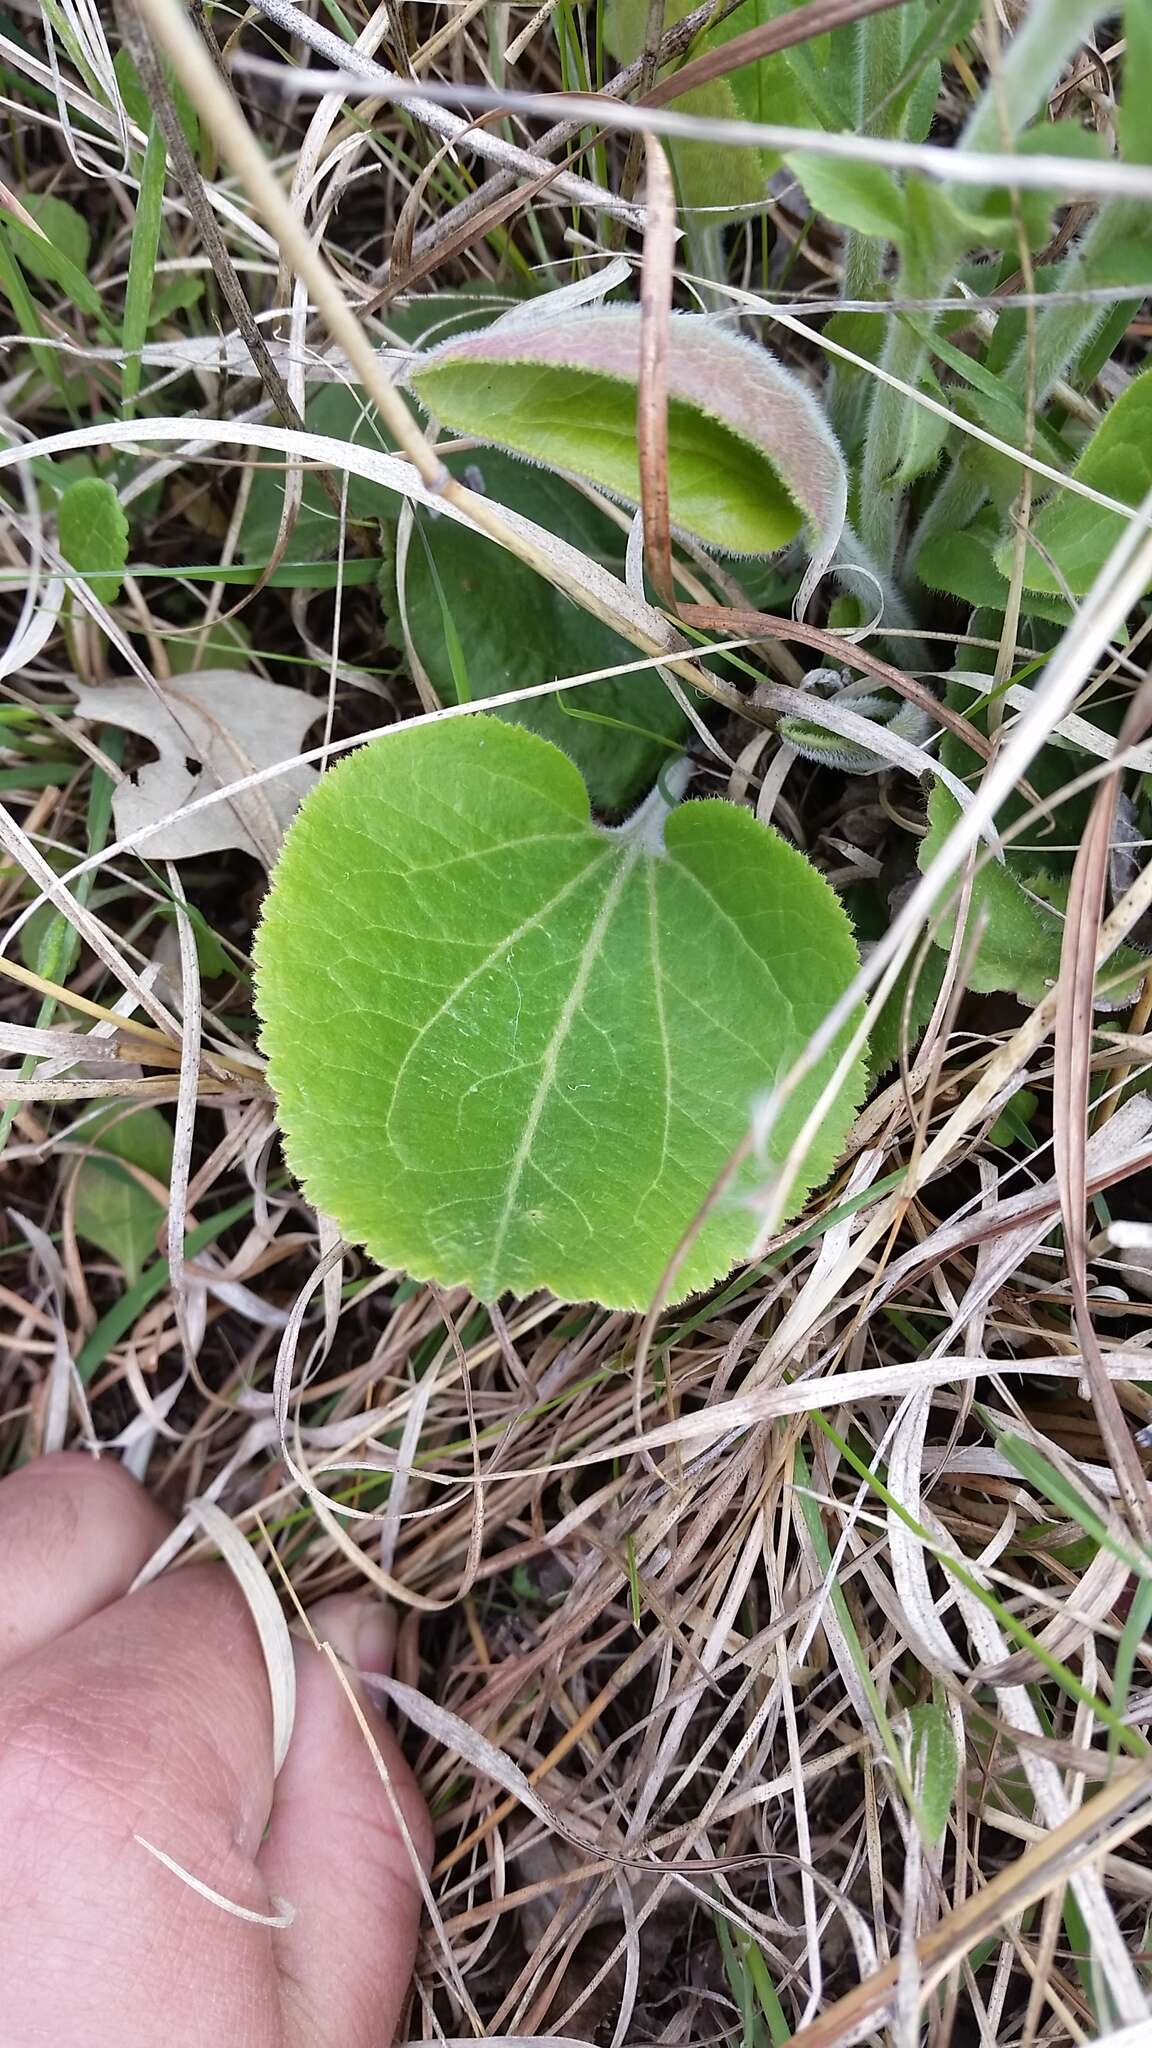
(751, 459)
(513, 1049)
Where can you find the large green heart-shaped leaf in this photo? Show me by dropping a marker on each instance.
(751, 459)
(513, 1049)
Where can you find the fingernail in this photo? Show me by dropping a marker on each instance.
(375, 1638)
(360, 1629)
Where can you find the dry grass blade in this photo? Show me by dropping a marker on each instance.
(423, 107)
(1110, 1817)
(155, 85)
(267, 1615)
(1074, 1025)
(283, 1916)
(660, 234)
(839, 648)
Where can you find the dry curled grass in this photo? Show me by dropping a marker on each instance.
(773, 1695)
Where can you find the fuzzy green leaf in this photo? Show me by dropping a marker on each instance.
(751, 459)
(1076, 535)
(1020, 901)
(1019, 949)
(67, 232)
(715, 175)
(93, 532)
(927, 434)
(991, 216)
(514, 1050)
(962, 565)
(112, 1209)
(904, 1018)
(861, 196)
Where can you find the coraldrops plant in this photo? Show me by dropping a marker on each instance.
(515, 1032)
(515, 1047)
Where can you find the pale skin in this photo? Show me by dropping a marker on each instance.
(148, 1713)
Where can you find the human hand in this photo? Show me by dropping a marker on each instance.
(150, 1715)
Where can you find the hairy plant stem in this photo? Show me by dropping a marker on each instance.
(859, 574)
(646, 825)
(707, 260)
(1030, 68)
(1062, 332)
(955, 501)
(879, 45)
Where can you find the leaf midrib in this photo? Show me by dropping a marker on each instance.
(570, 1010)
(538, 917)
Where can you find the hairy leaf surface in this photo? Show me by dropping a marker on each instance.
(1074, 537)
(751, 459)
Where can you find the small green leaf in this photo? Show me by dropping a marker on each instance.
(1020, 900)
(935, 1766)
(1020, 946)
(66, 230)
(927, 434)
(1013, 1125)
(342, 412)
(751, 459)
(711, 174)
(903, 1020)
(112, 1209)
(991, 217)
(861, 196)
(963, 565)
(227, 644)
(514, 1050)
(93, 532)
(1076, 535)
(42, 259)
(941, 28)
(171, 295)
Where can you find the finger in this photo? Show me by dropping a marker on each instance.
(74, 1532)
(336, 1848)
(152, 1719)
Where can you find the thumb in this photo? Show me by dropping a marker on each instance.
(348, 1836)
